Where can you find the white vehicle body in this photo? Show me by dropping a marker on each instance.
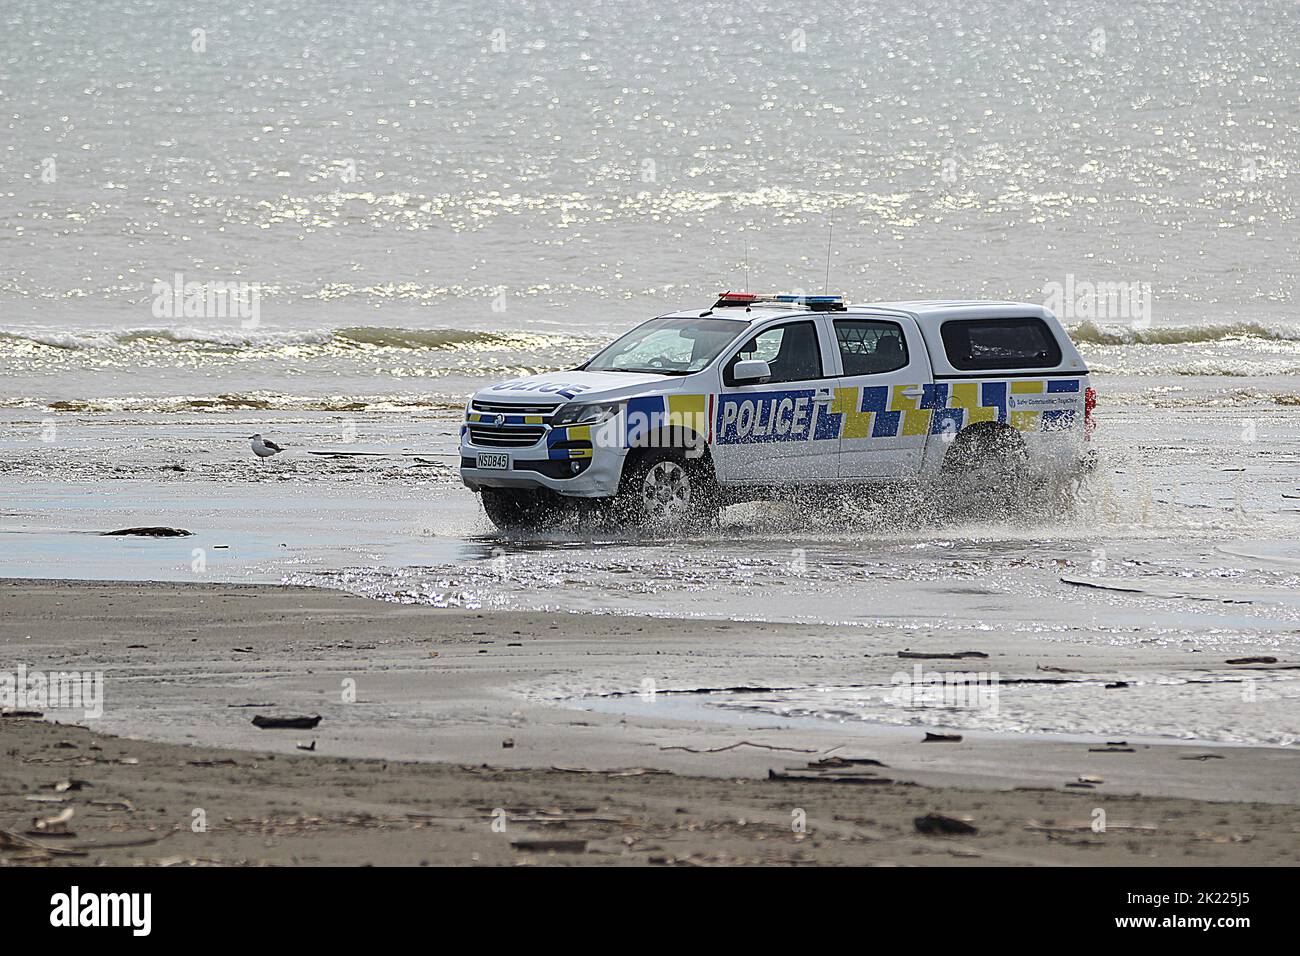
(881, 398)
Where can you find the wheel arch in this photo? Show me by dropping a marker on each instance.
(675, 438)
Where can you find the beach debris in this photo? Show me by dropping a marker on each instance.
(1117, 685)
(150, 531)
(308, 747)
(56, 825)
(1205, 837)
(114, 805)
(1153, 588)
(831, 762)
(1050, 826)
(544, 815)
(941, 655)
(1252, 660)
(250, 705)
(1051, 669)
(264, 722)
(941, 738)
(213, 762)
(1089, 778)
(616, 772)
(1111, 749)
(1201, 757)
(72, 784)
(740, 743)
(815, 776)
(508, 743)
(546, 845)
(938, 824)
(738, 689)
(29, 850)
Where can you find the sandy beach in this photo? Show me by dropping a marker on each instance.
(431, 731)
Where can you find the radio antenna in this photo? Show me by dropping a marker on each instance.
(747, 263)
(829, 235)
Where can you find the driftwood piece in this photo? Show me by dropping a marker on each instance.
(285, 722)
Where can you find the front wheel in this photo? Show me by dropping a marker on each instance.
(662, 487)
(509, 509)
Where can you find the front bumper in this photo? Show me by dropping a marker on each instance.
(592, 472)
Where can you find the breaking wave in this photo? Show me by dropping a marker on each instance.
(248, 401)
(370, 338)
(1092, 333)
(358, 338)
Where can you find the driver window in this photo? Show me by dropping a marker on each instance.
(791, 351)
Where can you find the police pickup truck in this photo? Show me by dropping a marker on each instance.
(765, 396)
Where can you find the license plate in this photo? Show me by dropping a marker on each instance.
(494, 459)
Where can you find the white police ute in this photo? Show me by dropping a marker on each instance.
(763, 396)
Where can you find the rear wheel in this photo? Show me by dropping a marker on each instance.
(985, 473)
(663, 487)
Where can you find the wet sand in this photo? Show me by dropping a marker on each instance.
(447, 726)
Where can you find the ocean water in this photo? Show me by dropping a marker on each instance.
(520, 181)
(380, 207)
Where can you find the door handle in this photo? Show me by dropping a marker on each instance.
(822, 395)
(913, 391)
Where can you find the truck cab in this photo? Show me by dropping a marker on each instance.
(763, 395)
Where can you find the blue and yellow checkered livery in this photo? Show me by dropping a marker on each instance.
(896, 411)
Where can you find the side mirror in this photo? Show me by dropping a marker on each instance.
(751, 370)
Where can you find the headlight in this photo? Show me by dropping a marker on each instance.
(589, 414)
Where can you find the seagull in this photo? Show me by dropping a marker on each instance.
(263, 448)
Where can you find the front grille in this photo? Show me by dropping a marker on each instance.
(505, 436)
(511, 408)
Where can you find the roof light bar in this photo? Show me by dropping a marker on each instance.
(817, 303)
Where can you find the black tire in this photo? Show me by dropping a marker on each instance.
(664, 488)
(986, 473)
(509, 509)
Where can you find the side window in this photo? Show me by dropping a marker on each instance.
(869, 347)
(974, 344)
(791, 351)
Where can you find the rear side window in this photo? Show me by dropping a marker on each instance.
(974, 344)
(868, 348)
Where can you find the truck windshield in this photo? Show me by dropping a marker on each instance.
(668, 346)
